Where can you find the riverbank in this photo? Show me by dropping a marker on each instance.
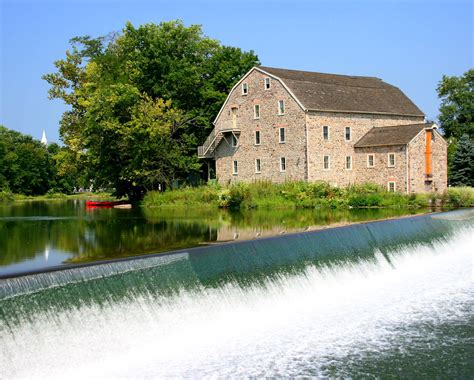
(265, 195)
(6, 197)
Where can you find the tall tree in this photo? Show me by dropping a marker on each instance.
(462, 165)
(24, 165)
(457, 105)
(142, 100)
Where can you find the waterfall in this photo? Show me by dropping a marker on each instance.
(342, 302)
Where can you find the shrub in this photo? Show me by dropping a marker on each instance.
(365, 200)
(234, 196)
(460, 197)
(6, 196)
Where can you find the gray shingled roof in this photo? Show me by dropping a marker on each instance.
(331, 92)
(393, 135)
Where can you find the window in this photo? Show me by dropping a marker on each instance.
(326, 132)
(282, 135)
(233, 141)
(349, 162)
(257, 137)
(348, 133)
(256, 111)
(245, 88)
(391, 160)
(281, 107)
(282, 164)
(326, 163)
(266, 82)
(370, 161)
(258, 166)
(235, 168)
(391, 187)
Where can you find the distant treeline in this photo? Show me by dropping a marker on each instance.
(29, 167)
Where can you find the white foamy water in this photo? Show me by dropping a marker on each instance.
(295, 325)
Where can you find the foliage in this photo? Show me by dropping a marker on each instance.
(6, 196)
(457, 105)
(28, 167)
(460, 197)
(289, 195)
(141, 101)
(24, 163)
(462, 164)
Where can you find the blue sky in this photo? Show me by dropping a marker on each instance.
(410, 44)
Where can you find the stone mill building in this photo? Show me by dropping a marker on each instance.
(281, 125)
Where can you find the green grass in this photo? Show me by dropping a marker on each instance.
(6, 197)
(459, 197)
(290, 195)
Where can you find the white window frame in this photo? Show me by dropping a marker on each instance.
(259, 138)
(345, 134)
(350, 162)
(255, 107)
(329, 162)
(245, 88)
(258, 165)
(265, 82)
(235, 167)
(394, 186)
(279, 135)
(327, 127)
(283, 163)
(394, 160)
(233, 141)
(282, 102)
(373, 160)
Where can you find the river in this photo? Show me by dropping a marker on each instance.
(391, 299)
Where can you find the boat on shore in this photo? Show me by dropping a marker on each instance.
(105, 204)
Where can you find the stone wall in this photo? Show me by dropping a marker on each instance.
(270, 149)
(417, 162)
(338, 148)
(381, 173)
(408, 173)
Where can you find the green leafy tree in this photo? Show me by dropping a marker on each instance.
(462, 165)
(24, 166)
(142, 100)
(457, 105)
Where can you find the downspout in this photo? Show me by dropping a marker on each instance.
(307, 143)
(407, 147)
(428, 163)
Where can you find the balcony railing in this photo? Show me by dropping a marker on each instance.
(207, 149)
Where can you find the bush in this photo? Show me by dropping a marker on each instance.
(267, 195)
(459, 197)
(234, 196)
(365, 200)
(6, 196)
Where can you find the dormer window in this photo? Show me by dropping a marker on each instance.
(245, 88)
(266, 82)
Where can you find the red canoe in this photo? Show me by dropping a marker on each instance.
(104, 203)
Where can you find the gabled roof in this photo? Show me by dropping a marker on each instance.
(343, 93)
(393, 135)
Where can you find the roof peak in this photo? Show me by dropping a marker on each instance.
(264, 68)
(344, 93)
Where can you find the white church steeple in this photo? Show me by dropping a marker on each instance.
(43, 139)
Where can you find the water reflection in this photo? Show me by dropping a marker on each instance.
(34, 235)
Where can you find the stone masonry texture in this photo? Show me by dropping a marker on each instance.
(305, 147)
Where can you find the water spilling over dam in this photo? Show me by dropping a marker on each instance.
(393, 297)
